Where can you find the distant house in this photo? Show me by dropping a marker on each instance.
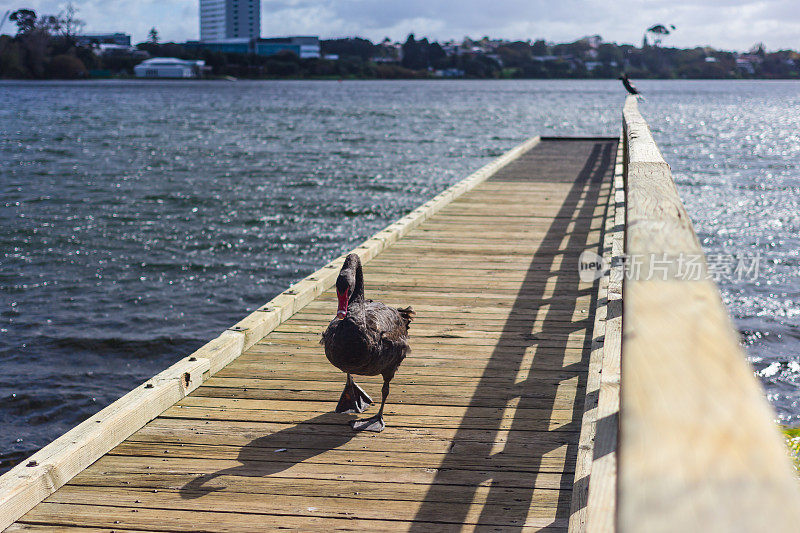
(547, 58)
(116, 50)
(119, 39)
(449, 73)
(388, 52)
(452, 48)
(168, 67)
(748, 62)
(745, 65)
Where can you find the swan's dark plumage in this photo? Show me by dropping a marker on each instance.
(366, 338)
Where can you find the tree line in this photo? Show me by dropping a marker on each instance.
(46, 47)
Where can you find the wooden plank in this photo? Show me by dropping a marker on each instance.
(278, 358)
(477, 325)
(402, 415)
(410, 387)
(355, 472)
(233, 484)
(261, 455)
(409, 376)
(468, 336)
(478, 297)
(268, 459)
(482, 309)
(213, 522)
(456, 312)
(35, 528)
(575, 340)
(698, 449)
(536, 399)
(547, 357)
(468, 331)
(327, 506)
(322, 407)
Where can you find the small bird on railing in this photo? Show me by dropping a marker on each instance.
(366, 338)
(631, 88)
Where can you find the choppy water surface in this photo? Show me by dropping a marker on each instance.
(138, 220)
(735, 153)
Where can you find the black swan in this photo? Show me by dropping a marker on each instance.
(366, 338)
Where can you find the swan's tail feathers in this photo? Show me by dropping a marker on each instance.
(408, 315)
(354, 399)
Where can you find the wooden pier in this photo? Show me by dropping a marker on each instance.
(504, 417)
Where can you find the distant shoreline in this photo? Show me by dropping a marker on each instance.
(432, 79)
(69, 57)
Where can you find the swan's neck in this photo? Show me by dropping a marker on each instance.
(357, 297)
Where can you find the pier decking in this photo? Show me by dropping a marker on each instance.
(483, 418)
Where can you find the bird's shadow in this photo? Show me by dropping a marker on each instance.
(279, 451)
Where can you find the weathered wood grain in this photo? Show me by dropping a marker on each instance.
(198, 521)
(698, 450)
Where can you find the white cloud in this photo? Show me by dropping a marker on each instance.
(729, 24)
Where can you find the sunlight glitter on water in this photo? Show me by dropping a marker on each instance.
(138, 220)
(735, 152)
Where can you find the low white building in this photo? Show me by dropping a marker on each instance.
(169, 67)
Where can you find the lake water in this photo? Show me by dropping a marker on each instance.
(140, 219)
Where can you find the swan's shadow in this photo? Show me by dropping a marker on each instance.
(279, 451)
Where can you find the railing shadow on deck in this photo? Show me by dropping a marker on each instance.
(517, 486)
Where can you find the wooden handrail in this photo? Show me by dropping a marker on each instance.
(698, 449)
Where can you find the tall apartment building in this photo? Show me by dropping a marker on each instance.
(229, 19)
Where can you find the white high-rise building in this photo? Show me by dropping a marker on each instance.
(230, 19)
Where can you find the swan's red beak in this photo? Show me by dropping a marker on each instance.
(343, 298)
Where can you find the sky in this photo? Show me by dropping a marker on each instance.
(723, 24)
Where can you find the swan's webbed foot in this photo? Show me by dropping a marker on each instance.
(374, 423)
(354, 399)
